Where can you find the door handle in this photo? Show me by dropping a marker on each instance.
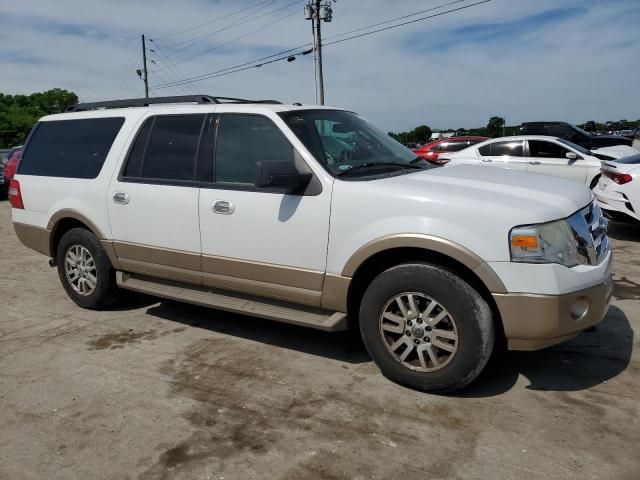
(223, 207)
(486, 160)
(533, 162)
(121, 197)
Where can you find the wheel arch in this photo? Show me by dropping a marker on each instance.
(378, 256)
(64, 220)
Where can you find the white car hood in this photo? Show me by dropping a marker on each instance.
(538, 198)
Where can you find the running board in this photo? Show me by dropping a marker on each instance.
(233, 302)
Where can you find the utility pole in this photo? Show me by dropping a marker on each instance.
(144, 67)
(318, 12)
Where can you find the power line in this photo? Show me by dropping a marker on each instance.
(248, 65)
(248, 34)
(407, 23)
(194, 27)
(168, 64)
(397, 18)
(247, 19)
(222, 73)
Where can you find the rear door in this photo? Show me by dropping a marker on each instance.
(550, 158)
(153, 202)
(507, 154)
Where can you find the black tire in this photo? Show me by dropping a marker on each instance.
(106, 290)
(594, 182)
(473, 323)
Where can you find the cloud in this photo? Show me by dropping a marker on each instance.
(525, 60)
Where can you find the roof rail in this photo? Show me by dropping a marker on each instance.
(145, 102)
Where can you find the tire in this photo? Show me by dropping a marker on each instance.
(99, 289)
(467, 317)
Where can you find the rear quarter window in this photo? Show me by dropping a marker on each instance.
(70, 148)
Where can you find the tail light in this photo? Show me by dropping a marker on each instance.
(619, 178)
(15, 196)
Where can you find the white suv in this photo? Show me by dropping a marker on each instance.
(310, 215)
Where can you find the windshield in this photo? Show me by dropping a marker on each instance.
(575, 146)
(342, 141)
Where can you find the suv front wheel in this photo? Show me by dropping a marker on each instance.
(85, 270)
(426, 328)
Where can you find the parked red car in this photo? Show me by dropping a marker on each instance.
(12, 165)
(431, 151)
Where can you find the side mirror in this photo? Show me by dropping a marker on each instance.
(572, 155)
(281, 174)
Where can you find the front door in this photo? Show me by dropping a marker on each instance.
(153, 203)
(261, 241)
(550, 158)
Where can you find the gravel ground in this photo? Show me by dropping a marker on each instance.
(156, 389)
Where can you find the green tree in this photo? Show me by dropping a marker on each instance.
(494, 127)
(421, 133)
(19, 113)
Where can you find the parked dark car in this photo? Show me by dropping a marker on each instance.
(573, 134)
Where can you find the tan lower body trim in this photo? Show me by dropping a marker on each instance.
(159, 256)
(532, 322)
(263, 272)
(35, 238)
(265, 289)
(162, 271)
(267, 280)
(334, 292)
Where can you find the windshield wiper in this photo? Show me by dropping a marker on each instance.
(380, 164)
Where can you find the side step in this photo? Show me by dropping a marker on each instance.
(248, 305)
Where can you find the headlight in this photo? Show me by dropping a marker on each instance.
(545, 243)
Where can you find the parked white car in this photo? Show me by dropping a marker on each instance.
(614, 152)
(618, 191)
(536, 154)
(243, 206)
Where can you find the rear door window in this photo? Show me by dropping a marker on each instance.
(70, 148)
(166, 148)
(511, 149)
(453, 146)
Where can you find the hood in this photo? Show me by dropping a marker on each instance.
(520, 196)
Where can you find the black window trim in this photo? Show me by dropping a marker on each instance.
(195, 182)
(313, 188)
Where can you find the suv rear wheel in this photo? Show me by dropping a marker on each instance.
(426, 328)
(85, 270)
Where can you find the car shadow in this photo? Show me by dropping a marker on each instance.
(592, 358)
(629, 232)
(342, 346)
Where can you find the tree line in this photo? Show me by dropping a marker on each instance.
(19, 113)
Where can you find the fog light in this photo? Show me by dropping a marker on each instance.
(579, 308)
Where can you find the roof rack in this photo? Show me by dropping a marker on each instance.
(145, 102)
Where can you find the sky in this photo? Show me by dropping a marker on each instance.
(525, 60)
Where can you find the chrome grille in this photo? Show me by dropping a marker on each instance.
(589, 228)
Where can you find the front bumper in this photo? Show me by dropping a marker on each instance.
(533, 322)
